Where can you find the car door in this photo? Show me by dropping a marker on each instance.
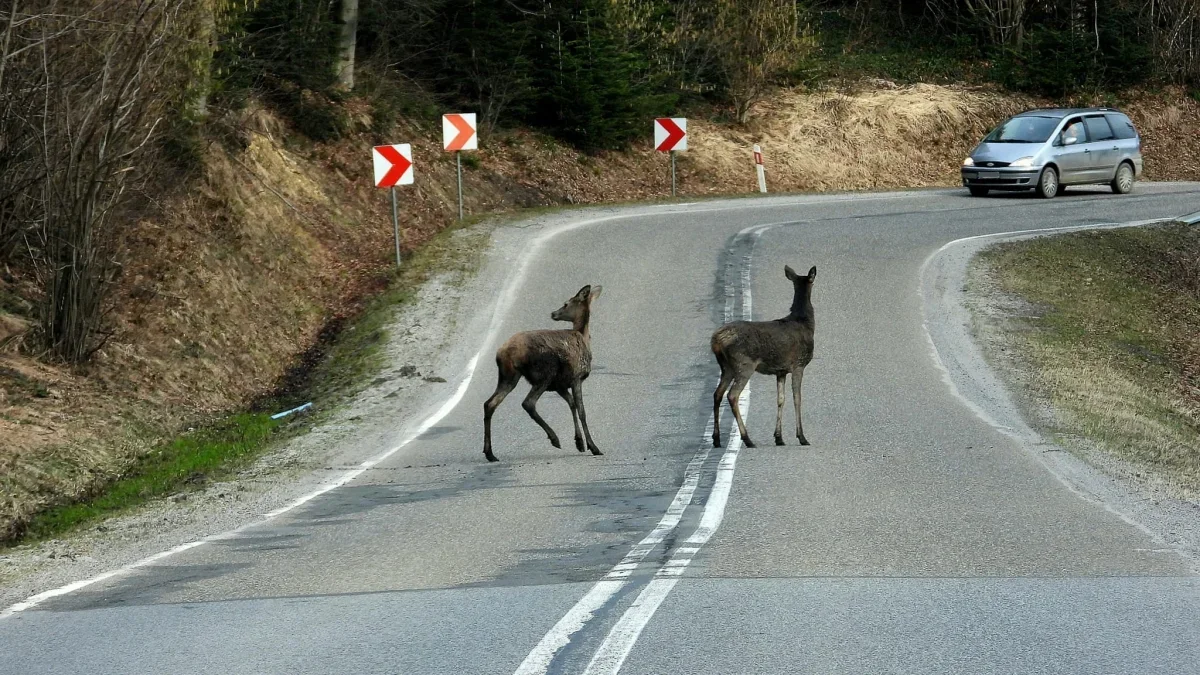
(1102, 150)
(1070, 152)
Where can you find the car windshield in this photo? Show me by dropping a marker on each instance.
(1023, 130)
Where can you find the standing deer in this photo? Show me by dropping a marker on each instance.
(556, 360)
(774, 348)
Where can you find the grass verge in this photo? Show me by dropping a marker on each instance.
(188, 460)
(347, 356)
(1108, 341)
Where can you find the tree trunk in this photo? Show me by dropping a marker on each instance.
(347, 39)
(208, 40)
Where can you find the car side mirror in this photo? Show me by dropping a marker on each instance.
(1069, 140)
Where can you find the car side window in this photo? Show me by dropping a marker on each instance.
(1121, 126)
(1074, 130)
(1098, 129)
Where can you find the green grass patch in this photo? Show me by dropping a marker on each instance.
(190, 460)
(341, 367)
(1113, 341)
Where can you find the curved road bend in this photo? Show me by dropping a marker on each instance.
(912, 536)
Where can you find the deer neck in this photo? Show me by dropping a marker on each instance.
(802, 309)
(582, 325)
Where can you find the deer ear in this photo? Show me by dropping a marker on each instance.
(596, 290)
(583, 293)
(789, 273)
(812, 274)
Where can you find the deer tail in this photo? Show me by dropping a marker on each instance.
(721, 340)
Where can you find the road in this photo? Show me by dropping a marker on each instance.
(913, 535)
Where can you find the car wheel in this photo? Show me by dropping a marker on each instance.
(1047, 185)
(1122, 183)
(978, 191)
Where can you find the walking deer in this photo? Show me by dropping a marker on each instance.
(555, 360)
(776, 348)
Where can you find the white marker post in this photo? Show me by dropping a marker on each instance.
(670, 135)
(758, 166)
(458, 134)
(393, 166)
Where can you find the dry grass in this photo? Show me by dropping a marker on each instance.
(1168, 121)
(884, 138)
(1114, 350)
(272, 244)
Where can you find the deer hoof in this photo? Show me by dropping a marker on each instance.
(748, 443)
(716, 441)
(803, 440)
(555, 443)
(596, 451)
(579, 445)
(779, 440)
(490, 456)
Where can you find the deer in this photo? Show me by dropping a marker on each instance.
(550, 360)
(780, 347)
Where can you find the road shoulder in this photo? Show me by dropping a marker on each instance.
(961, 342)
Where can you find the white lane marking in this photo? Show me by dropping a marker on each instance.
(503, 302)
(619, 642)
(936, 356)
(538, 661)
(978, 410)
(433, 419)
(540, 657)
(625, 633)
(71, 588)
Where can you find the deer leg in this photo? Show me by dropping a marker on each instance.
(577, 389)
(722, 387)
(506, 385)
(530, 406)
(779, 382)
(570, 399)
(739, 383)
(797, 379)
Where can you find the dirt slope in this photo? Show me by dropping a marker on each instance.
(272, 242)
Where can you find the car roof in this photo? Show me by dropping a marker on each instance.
(1059, 113)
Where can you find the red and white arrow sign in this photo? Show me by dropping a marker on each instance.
(458, 132)
(670, 133)
(758, 155)
(393, 165)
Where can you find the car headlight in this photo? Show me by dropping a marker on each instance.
(968, 162)
(1023, 163)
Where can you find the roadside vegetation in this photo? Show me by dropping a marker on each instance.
(1107, 343)
(336, 367)
(188, 228)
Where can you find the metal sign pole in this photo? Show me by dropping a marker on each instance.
(396, 225)
(458, 161)
(672, 173)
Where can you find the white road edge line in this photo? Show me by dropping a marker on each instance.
(538, 661)
(503, 302)
(982, 414)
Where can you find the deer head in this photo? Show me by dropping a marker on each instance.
(577, 309)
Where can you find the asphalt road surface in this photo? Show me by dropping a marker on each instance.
(912, 536)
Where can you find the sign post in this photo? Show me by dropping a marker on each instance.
(396, 225)
(393, 166)
(458, 134)
(670, 135)
(758, 166)
(672, 173)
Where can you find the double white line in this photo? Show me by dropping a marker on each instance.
(624, 634)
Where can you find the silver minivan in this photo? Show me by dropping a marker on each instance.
(1045, 150)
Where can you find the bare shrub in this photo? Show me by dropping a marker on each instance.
(85, 89)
